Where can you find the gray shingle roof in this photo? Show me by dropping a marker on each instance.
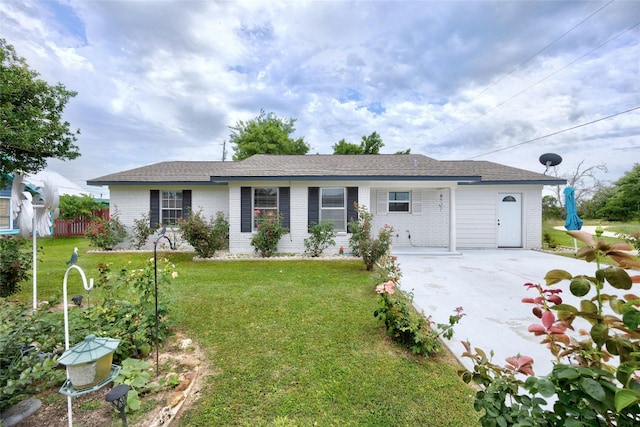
(321, 167)
(165, 172)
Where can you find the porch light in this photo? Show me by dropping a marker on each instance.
(89, 362)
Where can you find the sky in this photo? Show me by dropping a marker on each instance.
(502, 81)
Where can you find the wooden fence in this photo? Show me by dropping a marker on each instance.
(78, 226)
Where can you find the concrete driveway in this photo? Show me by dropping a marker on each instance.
(488, 284)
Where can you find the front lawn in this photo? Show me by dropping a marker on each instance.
(288, 343)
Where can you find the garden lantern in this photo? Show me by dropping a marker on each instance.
(89, 362)
(118, 398)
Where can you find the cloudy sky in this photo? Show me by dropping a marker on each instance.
(504, 81)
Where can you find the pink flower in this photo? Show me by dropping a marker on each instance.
(387, 287)
(257, 212)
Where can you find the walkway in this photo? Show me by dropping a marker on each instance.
(488, 284)
(592, 230)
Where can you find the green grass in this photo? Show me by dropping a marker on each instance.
(627, 228)
(561, 238)
(288, 343)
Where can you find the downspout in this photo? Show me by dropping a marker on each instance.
(452, 219)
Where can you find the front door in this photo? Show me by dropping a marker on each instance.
(509, 220)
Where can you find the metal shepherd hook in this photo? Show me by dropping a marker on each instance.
(155, 281)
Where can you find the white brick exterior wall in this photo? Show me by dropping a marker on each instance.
(131, 202)
(427, 224)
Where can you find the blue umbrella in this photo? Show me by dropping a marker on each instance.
(573, 221)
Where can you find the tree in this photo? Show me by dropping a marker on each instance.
(589, 208)
(585, 183)
(32, 129)
(73, 207)
(407, 151)
(625, 202)
(550, 208)
(265, 134)
(344, 147)
(368, 145)
(371, 144)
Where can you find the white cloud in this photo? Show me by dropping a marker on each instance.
(163, 80)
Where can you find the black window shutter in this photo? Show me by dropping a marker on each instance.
(352, 199)
(186, 203)
(313, 207)
(154, 208)
(284, 204)
(245, 209)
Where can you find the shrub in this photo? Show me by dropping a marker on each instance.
(548, 240)
(106, 233)
(77, 207)
(205, 237)
(127, 313)
(322, 236)
(403, 322)
(363, 244)
(594, 380)
(14, 264)
(141, 230)
(633, 239)
(268, 234)
(22, 372)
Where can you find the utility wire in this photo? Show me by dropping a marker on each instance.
(530, 58)
(541, 80)
(555, 133)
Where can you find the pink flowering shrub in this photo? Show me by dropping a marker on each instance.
(363, 244)
(106, 233)
(268, 234)
(595, 380)
(403, 322)
(206, 237)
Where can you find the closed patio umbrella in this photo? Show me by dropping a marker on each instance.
(573, 221)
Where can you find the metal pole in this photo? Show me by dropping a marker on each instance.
(155, 281)
(34, 262)
(87, 287)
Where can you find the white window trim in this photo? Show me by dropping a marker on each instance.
(162, 209)
(407, 202)
(254, 207)
(343, 208)
(10, 227)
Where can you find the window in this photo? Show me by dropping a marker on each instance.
(5, 216)
(171, 210)
(399, 201)
(333, 207)
(265, 203)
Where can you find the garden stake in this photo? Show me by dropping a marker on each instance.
(155, 281)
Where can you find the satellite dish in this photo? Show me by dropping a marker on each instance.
(549, 160)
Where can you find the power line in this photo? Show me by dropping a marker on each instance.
(541, 80)
(531, 57)
(555, 133)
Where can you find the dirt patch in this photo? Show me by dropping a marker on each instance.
(179, 356)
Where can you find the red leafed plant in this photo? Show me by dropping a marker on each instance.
(595, 380)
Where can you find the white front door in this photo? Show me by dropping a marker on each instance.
(509, 220)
